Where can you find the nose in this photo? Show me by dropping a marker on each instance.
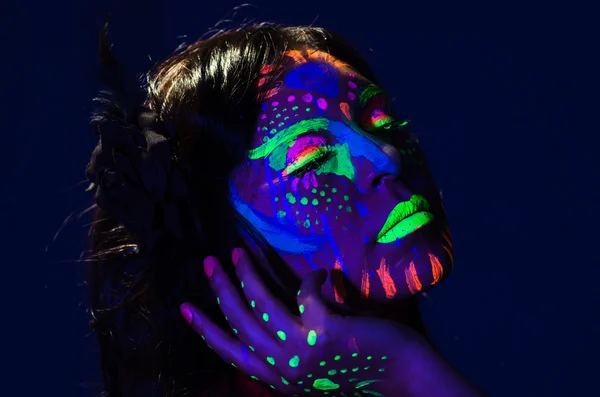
(389, 167)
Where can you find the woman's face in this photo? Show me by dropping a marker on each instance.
(332, 183)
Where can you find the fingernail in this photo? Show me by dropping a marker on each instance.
(235, 256)
(209, 266)
(186, 312)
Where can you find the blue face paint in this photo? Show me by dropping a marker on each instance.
(275, 235)
(316, 77)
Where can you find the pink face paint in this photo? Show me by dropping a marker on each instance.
(322, 103)
(307, 97)
(351, 96)
(291, 98)
(351, 84)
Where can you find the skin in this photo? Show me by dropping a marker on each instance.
(330, 214)
(333, 182)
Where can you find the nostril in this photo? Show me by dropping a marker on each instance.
(377, 180)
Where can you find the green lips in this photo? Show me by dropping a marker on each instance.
(405, 218)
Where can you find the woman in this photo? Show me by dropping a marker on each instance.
(267, 153)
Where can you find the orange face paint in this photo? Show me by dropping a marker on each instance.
(345, 108)
(386, 279)
(436, 268)
(365, 284)
(412, 279)
(338, 282)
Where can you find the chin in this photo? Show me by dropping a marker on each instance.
(409, 266)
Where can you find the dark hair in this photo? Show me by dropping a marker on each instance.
(207, 95)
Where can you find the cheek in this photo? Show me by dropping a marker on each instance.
(317, 204)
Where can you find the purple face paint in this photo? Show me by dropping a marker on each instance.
(321, 185)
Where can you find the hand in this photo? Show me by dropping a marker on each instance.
(318, 353)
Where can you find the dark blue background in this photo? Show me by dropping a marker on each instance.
(507, 120)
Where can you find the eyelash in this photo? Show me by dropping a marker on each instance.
(312, 164)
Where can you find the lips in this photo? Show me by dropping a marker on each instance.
(403, 210)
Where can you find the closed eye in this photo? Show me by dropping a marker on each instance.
(314, 163)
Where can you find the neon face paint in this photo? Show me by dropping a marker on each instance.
(328, 165)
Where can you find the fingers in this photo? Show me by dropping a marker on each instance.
(243, 322)
(232, 350)
(269, 311)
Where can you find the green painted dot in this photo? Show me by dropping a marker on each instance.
(325, 384)
(291, 198)
(333, 190)
(344, 370)
(271, 360)
(295, 108)
(322, 363)
(272, 387)
(354, 354)
(252, 303)
(242, 283)
(369, 357)
(309, 375)
(285, 382)
(301, 308)
(384, 358)
(298, 294)
(354, 369)
(251, 348)
(304, 200)
(322, 193)
(381, 369)
(312, 338)
(331, 372)
(280, 214)
(314, 190)
(306, 224)
(367, 367)
(218, 301)
(340, 207)
(281, 335)
(307, 390)
(336, 358)
(265, 317)
(348, 209)
(253, 377)
(308, 109)
(346, 197)
(315, 202)
(235, 331)
(226, 319)
(294, 361)
(276, 198)
(233, 365)
(300, 382)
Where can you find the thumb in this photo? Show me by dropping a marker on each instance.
(311, 304)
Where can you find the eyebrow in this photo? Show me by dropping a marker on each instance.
(288, 134)
(369, 93)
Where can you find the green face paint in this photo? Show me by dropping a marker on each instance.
(294, 361)
(325, 384)
(281, 335)
(312, 337)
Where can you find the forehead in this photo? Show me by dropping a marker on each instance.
(311, 70)
(309, 84)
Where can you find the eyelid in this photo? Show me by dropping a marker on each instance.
(312, 156)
